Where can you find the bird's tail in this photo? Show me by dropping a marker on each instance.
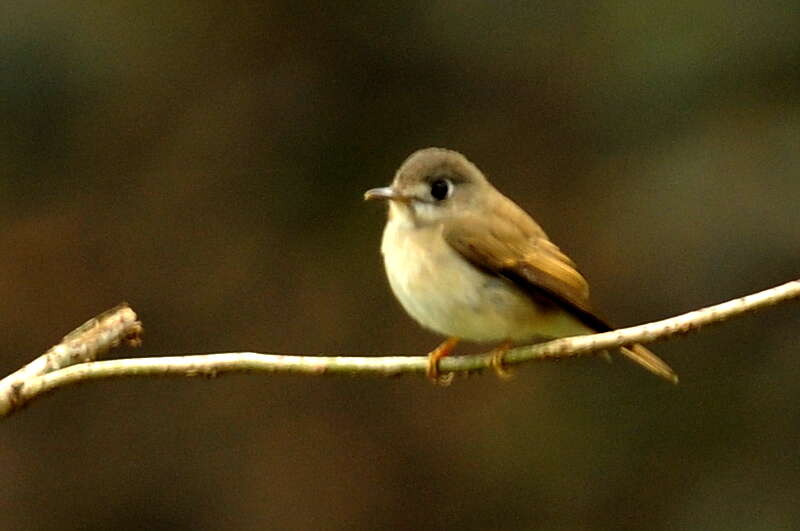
(649, 361)
(636, 353)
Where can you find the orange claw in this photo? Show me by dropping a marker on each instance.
(435, 355)
(496, 362)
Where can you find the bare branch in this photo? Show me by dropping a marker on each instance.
(46, 373)
(84, 344)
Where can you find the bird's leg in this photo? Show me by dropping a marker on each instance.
(435, 355)
(496, 361)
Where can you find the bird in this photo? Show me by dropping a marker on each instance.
(467, 262)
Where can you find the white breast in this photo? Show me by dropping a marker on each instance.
(444, 292)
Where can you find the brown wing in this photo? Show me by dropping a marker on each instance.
(516, 248)
(521, 252)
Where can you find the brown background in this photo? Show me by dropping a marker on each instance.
(205, 162)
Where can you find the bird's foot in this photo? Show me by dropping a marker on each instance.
(434, 356)
(496, 360)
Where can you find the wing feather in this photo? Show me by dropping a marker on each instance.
(520, 251)
(527, 258)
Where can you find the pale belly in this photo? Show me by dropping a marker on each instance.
(447, 294)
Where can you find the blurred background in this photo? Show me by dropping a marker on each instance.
(206, 162)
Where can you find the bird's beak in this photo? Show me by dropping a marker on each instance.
(384, 193)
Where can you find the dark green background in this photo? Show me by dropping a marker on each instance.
(206, 161)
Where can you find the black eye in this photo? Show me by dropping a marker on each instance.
(440, 189)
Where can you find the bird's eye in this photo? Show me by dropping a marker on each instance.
(440, 189)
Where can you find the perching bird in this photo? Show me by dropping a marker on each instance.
(468, 263)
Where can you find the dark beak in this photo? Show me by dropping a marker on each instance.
(384, 193)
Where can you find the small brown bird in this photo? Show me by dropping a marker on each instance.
(468, 263)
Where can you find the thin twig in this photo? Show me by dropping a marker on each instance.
(27, 384)
(84, 344)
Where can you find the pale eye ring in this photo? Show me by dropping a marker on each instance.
(441, 189)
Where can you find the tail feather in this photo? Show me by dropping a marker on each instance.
(649, 361)
(636, 353)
